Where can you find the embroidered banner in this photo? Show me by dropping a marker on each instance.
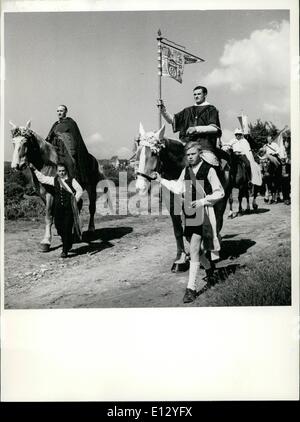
(172, 63)
(174, 59)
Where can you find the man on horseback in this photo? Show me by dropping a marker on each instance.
(200, 123)
(65, 136)
(240, 146)
(271, 151)
(202, 189)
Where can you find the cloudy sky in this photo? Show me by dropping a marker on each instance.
(103, 65)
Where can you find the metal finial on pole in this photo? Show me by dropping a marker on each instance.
(159, 66)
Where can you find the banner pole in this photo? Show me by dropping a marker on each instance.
(159, 66)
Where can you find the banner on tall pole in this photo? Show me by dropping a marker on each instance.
(173, 61)
(280, 142)
(244, 123)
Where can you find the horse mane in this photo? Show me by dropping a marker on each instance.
(47, 150)
(44, 152)
(172, 157)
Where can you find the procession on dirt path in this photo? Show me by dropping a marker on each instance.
(197, 174)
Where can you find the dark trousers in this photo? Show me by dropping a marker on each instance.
(63, 220)
(286, 187)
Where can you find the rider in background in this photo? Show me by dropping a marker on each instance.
(199, 122)
(241, 146)
(272, 148)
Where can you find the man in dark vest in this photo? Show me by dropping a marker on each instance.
(70, 147)
(199, 122)
(202, 189)
(67, 193)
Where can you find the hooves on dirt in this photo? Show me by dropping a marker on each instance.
(44, 247)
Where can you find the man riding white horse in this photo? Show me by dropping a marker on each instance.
(199, 122)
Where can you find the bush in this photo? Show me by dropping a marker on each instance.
(111, 173)
(26, 208)
(13, 192)
(13, 176)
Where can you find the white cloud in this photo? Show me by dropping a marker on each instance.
(258, 62)
(95, 139)
(95, 144)
(124, 152)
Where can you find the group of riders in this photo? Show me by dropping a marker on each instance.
(199, 130)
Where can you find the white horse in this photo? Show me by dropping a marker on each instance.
(29, 147)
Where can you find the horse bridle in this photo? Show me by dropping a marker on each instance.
(158, 166)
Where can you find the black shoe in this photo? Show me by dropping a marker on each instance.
(64, 255)
(190, 296)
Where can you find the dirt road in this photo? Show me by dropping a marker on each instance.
(127, 262)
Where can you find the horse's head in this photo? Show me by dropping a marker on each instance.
(21, 137)
(149, 145)
(265, 165)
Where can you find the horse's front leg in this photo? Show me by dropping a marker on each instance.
(92, 193)
(267, 193)
(174, 206)
(240, 199)
(247, 199)
(255, 191)
(231, 213)
(178, 233)
(46, 242)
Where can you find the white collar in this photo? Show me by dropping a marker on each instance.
(196, 168)
(205, 103)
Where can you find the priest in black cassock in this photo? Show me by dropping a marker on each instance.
(70, 147)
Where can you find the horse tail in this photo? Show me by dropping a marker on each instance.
(98, 175)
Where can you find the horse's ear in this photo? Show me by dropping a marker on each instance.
(12, 124)
(28, 124)
(161, 133)
(141, 130)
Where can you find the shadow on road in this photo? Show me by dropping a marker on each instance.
(105, 235)
(232, 249)
(220, 276)
(91, 248)
(229, 236)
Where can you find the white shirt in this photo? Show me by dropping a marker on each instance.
(178, 186)
(238, 145)
(49, 180)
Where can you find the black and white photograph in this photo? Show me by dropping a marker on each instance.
(150, 160)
